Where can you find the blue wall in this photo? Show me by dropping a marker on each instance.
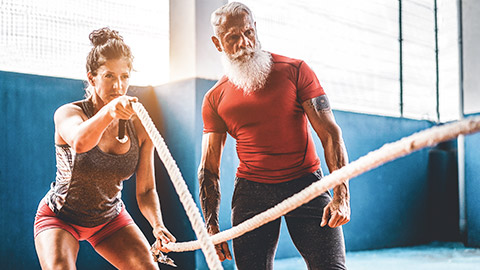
(27, 162)
(472, 188)
(389, 204)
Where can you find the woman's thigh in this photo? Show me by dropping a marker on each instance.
(56, 249)
(127, 248)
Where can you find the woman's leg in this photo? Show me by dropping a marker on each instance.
(56, 249)
(127, 248)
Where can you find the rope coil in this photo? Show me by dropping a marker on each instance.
(386, 153)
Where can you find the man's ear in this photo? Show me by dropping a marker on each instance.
(217, 44)
(90, 79)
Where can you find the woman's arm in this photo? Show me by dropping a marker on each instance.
(72, 126)
(147, 196)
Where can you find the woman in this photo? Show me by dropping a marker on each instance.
(84, 202)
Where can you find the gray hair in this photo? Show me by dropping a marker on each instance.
(233, 8)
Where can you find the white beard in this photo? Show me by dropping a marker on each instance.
(250, 73)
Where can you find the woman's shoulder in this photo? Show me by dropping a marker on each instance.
(70, 109)
(142, 134)
(73, 105)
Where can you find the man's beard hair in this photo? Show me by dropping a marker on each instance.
(250, 73)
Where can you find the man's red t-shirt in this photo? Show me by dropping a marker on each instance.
(274, 143)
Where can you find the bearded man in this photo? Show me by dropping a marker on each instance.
(263, 102)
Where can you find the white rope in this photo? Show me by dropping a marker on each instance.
(386, 153)
(205, 242)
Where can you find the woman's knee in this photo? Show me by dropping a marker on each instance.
(144, 264)
(56, 249)
(58, 262)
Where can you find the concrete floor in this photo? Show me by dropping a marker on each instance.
(435, 256)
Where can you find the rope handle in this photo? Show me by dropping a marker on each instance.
(122, 123)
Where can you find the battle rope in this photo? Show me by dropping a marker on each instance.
(181, 187)
(386, 153)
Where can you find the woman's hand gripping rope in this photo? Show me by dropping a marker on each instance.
(163, 237)
(158, 256)
(124, 104)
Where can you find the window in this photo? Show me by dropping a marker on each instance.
(354, 48)
(50, 37)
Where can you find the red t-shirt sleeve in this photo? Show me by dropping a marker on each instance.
(308, 85)
(212, 122)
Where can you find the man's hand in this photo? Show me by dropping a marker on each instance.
(320, 115)
(336, 213)
(222, 249)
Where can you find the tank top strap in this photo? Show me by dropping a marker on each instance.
(131, 131)
(87, 107)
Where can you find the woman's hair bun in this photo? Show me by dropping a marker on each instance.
(102, 35)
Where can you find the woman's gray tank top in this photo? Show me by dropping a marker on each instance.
(87, 187)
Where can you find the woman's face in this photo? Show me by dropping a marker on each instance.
(111, 81)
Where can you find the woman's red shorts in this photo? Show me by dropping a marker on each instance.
(46, 219)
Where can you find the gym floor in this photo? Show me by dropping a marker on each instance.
(434, 256)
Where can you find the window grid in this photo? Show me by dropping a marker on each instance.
(354, 48)
(50, 37)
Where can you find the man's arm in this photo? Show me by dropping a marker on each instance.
(320, 115)
(209, 180)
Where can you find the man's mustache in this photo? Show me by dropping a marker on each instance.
(242, 52)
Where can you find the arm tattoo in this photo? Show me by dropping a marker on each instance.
(320, 104)
(209, 196)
